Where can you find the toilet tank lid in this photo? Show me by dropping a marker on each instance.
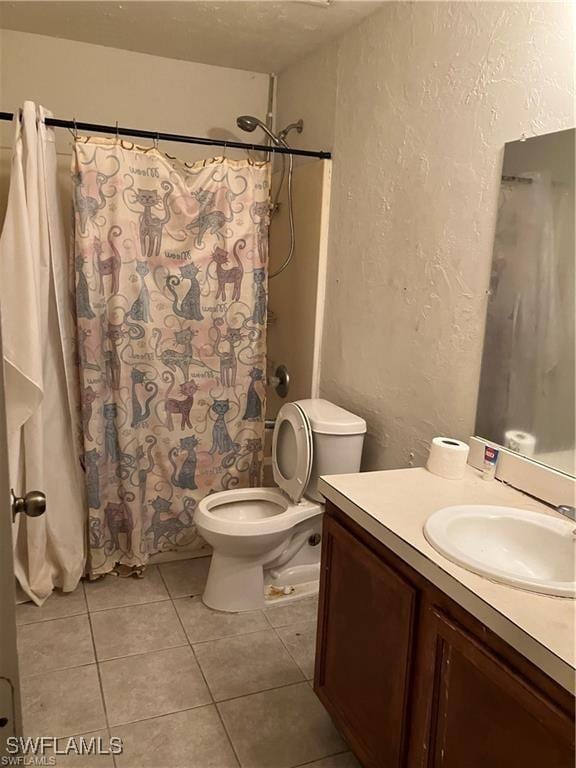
(329, 419)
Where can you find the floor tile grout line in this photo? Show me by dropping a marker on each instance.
(263, 690)
(99, 662)
(332, 754)
(141, 653)
(188, 643)
(80, 586)
(230, 742)
(228, 637)
(288, 649)
(228, 736)
(98, 672)
(267, 690)
(244, 634)
(21, 624)
(183, 645)
(129, 605)
(163, 714)
(208, 704)
(60, 669)
(289, 652)
(132, 605)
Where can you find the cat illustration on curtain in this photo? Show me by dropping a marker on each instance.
(83, 308)
(253, 410)
(138, 466)
(186, 476)
(140, 309)
(175, 407)
(207, 221)
(165, 525)
(92, 472)
(233, 275)
(227, 356)
(141, 413)
(170, 279)
(111, 444)
(88, 398)
(172, 358)
(260, 300)
(150, 225)
(118, 518)
(113, 334)
(110, 266)
(221, 440)
(87, 207)
(139, 476)
(260, 214)
(190, 305)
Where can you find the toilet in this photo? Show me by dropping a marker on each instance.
(265, 541)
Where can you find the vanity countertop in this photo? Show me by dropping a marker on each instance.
(393, 506)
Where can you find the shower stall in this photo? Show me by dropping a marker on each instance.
(150, 231)
(298, 250)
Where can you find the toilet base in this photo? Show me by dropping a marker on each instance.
(235, 584)
(291, 584)
(256, 580)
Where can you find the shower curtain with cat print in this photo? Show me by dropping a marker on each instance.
(171, 289)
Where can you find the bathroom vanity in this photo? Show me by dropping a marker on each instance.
(423, 663)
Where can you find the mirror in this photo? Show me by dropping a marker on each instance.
(526, 398)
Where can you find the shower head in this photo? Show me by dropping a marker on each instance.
(249, 123)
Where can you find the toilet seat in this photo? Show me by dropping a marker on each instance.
(292, 451)
(248, 512)
(252, 511)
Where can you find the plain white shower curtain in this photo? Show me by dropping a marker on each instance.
(39, 360)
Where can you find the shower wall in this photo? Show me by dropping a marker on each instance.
(104, 85)
(296, 296)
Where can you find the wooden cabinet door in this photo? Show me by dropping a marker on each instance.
(365, 640)
(484, 715)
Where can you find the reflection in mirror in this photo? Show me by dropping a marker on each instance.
(526, 397)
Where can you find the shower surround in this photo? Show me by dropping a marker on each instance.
(171, 291)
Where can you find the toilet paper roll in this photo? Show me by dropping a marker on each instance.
(520, 442)
(448, 458)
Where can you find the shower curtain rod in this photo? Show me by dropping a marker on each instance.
(75, 125)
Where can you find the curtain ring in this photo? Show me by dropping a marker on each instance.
(117, 134)
(74, 130)
(224, 155)
(156, 140)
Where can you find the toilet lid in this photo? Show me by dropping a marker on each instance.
(292, 451)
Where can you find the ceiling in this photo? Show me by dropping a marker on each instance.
(264, 36)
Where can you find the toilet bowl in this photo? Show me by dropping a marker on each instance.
(268, 537)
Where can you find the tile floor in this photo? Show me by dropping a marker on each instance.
(182, 685)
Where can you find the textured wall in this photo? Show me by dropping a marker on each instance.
(426, 96)
(105, 85)
(307, 90)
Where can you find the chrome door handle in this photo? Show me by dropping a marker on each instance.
(33, 504)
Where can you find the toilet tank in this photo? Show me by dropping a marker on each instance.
(338, 437)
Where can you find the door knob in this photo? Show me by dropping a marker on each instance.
(33, 504)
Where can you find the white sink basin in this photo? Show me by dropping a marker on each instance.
(526, 549)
